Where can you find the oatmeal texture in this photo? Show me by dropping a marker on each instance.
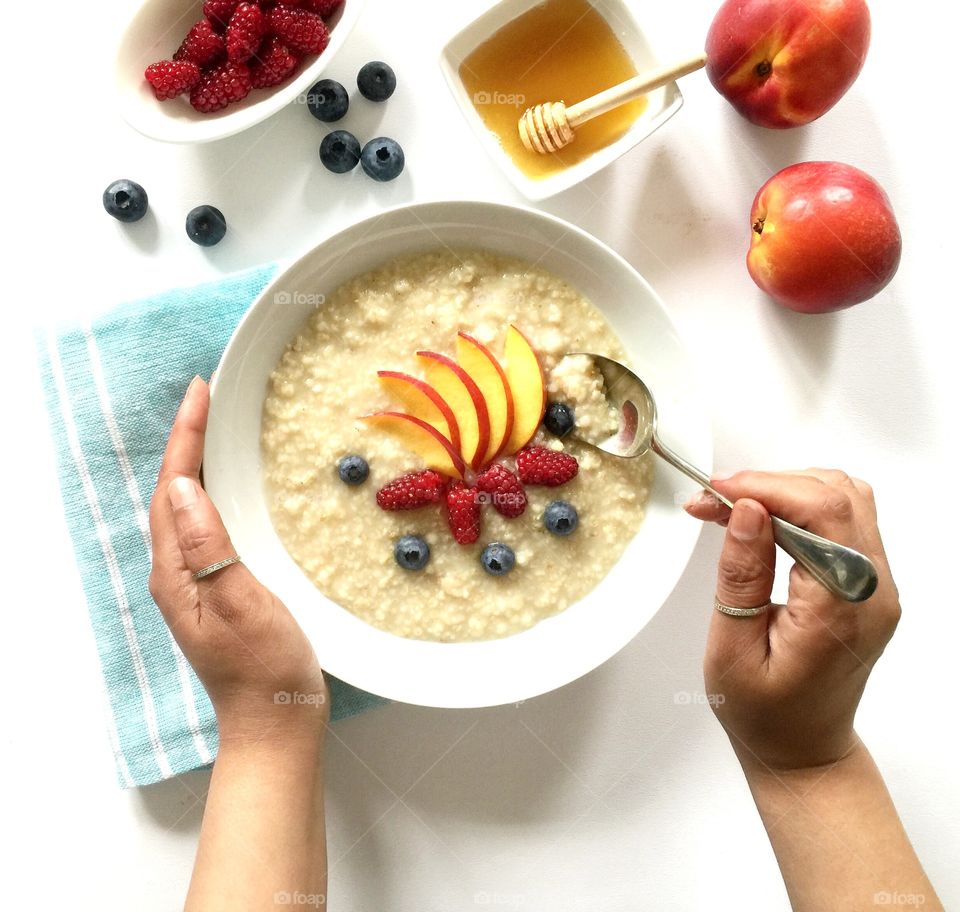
(338, 535)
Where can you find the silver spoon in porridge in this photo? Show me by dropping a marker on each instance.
(845, 572)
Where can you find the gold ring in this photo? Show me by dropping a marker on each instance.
(213, 568)
(740, 612)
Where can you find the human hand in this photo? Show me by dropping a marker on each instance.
(241, 640)
(786, 683)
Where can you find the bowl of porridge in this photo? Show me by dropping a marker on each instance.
(383, 447)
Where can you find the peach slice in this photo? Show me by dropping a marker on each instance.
(478, 361)
(529, 387)
(426, 441)
(458, 390)
(422, 401)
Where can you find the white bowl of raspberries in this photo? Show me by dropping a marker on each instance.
(190, 71)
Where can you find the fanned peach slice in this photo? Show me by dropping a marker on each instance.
(458, 390)
(426, 441)
(422, 401)
(478, 361)
(529, 388)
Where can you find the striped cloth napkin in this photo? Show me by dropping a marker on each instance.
(112, 388)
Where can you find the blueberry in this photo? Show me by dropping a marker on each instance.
(561, 518)
(412, 552)
(328, 100)
(558, 419)
(125, 200)
(382, 158)
(340, 151)
(206, 226)
(353, 470)
(498, 559)
(376, 81)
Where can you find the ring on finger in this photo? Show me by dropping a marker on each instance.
(734, 611)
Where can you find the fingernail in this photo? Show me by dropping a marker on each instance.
(193, 384)
(182, 493)
(746, 522)
(722, 476)
(699, 499)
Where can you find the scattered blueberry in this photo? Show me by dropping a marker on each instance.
(382, 158)
(353, 470)
(498, 559)
(125, 200)
(412, 552)
(558, 419)
(376, 81)
(206, 226)
(561, 518)
(328, 100)
(340, 151)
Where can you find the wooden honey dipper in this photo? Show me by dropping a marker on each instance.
(550, 126)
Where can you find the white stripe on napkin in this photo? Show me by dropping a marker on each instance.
(113, 568)
(143, 523)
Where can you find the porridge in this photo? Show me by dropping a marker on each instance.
(327, 381)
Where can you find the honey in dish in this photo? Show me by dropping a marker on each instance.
(560, 50)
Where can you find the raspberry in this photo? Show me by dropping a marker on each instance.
(540, 466)
(505, 490)
(409, 492)
(219, 87)
(302, 32)
(170, 78)
(202, 45)
(274, 63)
(219, 12)
(325, 8)
(463, 513)
(245, 32)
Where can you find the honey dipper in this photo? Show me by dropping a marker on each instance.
(550, 126)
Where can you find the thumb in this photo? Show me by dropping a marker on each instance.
(201, 535)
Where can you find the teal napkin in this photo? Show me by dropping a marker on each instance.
(112, 388)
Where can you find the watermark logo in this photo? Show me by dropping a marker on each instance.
(892, 898)
(286, 698)
(685, 698)
(299, 298)
(296, 898)
(500, 98)
(490, 898)
(501, 499)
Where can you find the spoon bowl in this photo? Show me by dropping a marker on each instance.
(845, 572)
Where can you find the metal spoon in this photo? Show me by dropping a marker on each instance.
(845, 572)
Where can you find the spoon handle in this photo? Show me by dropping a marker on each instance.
(845, 572)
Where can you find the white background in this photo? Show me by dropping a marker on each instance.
(608, 794)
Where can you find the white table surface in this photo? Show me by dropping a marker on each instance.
(608, 794)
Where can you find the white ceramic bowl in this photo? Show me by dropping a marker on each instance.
(663, 103)
(155, 32)
(555, 651)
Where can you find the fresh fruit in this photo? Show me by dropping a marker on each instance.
(529, 388)
(411, 552)
(463, 513)
(541, 466)
(325, 8)
(245, 32)
(423, 401)
(824, 237)
(376, 81)
(170, 78)
(504, 490)
(458, 390)
(498, 559)
(435, 450)
(340, 151)
(353, 470)
(382, 159)
(560, 518)
(221, 86)
(410, 492)
(478, 361)
(125, 200)
(274, 63)
(782, 63)
(302, 31)
(219, 12)
(206, 226)
(328, 100)
(558, 419)
(202, 45)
